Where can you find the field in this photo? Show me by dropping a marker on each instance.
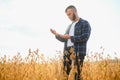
(36, 67)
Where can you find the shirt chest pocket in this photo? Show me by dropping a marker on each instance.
(78, 30)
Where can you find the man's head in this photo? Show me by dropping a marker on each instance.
(71, 12)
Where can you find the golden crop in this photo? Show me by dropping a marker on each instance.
(35, 67)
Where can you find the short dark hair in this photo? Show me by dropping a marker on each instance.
(70, 7)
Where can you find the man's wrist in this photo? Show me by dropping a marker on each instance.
(56, 34)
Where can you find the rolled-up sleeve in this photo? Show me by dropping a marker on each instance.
(60, 39)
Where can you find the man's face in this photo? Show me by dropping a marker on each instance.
(71, 14)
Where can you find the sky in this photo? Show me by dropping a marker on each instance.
(25, 24)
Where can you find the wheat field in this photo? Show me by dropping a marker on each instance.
(35, 67)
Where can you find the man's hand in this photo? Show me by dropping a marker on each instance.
(66, 36)
(53, 31)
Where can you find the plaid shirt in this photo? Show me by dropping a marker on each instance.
(81, 35)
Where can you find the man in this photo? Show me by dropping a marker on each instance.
(76, 37)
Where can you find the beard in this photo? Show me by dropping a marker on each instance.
(74, 17)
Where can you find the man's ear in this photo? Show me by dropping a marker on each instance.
(75, 12)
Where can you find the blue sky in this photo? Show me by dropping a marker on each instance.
(25, 24)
